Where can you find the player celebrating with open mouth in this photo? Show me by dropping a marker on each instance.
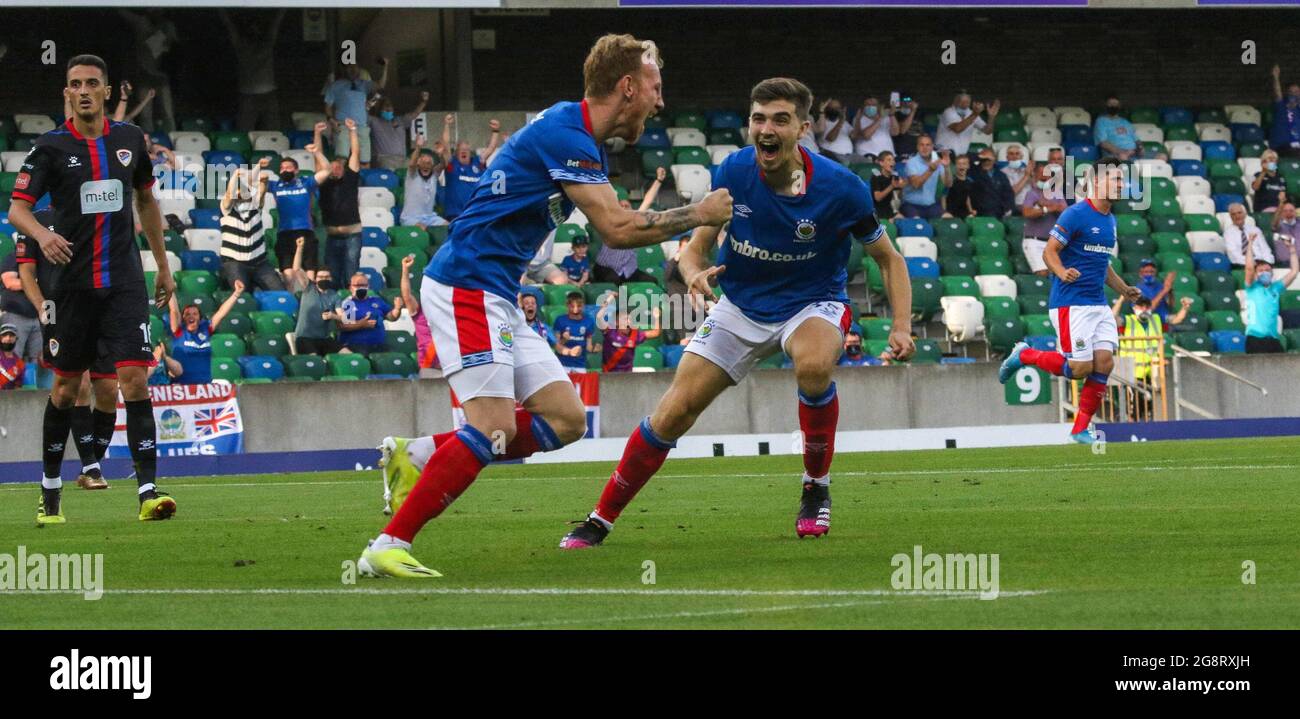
(489, 354)
(782, 270)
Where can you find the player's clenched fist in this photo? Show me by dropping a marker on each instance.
(1070, 275)
(715, 208)
(901, 345)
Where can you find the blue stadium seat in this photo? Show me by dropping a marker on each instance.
(1211, 262)
(205, 219)
(672, 355)
(1242, 132)
(1218, 150)
(1228, 341)
(1042, 342)
(374, 237)
(1184, 168)
(376, 279)
(161, 138)
(913, 227)
(379, 177)
(1075, 134)
(255, 367)
(273, 300)
(922, 267)
(723, 119)
(221, 158)
(1082, 151)
(300, 139)
(1176, 116)
(654, 138)
(201, 260)
(1223, 201)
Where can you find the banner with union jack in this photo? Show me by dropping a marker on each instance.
(192, 419)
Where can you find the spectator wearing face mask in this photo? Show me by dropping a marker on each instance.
(854, 355)
(318, 309)
(1241, 235)
(885, 187)
(960, 120)
(1042, 205)
(1286, 116)
(1269, 187)
(339, 205)
(1020, 173)
(1115, 135)
(874, 129)
(192, 337)
(1286, 230)
(1142, 329)
(464, 168)
(293, 193)
(1155, 288)
(1263, 301)
(361, 321)
(388, 132)
(833, 132)
(992, 194)
(422, 189)
(12, 367)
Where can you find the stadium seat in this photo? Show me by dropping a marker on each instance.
(963, 317)
(271, 324)
(1224, 320)
(989, 246)
(994, 265)
(226, 344)
(917, 247)
(393, 363)
(376, 197)
(269, 346)
(961, 266)
(307, 366)
(199, 260)
(1032, 285)
(985, 228)
(261, 367)
(377, 177)
(925, 297)
(1211, 262)
(996, 286)
(270, 301)
(1032, 304)
(1000, 307)
(1004, 332)
(647, 359)
(955, 285)
(692, 181)
(950, 247)
(350, 365)
(374, 237)
(1218, 150)
(913, 227)
(1219, 300)
(1174, 262)
(226, 368)
(1228, 341)
(205, 219)
(949, 229)
(377, 217)
(927, 352)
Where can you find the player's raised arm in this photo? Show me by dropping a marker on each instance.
(624, 229)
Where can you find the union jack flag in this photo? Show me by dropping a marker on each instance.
(208, 422)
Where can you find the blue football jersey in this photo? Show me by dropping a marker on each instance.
(1089, 239)
(519, 200)
(784, 253)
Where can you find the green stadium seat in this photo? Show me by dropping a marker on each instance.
(925, 297)
(1201, 223)
(437, 235)
(1290, 300)
(927, 352)
(1198, 303)
(1221, 301)
(690, 156)
(1166, 223)
(955, 285)
(1186, 283)
(694, 120)
(270, 346)
(1131, 225)
(1000, 307)
(1292, 340)
(1171, 242)
(954, 247)
(396, 253)
(399, 363)
(877, 328)
(1137, 245)
(304, 366)
(271, 324)
(1223, 168)
(1195, 341)
(949, 228)
(648, 357)
(1175, 262)
(196, 281)
(960, 266)
(1032, 285)
(1015, 228)
(556, 294)
(1032, 304)
(225, 344)
(594, 290)
(653, 256)
(1224, 320)
(351, 365)
(988, 246)
(408, 236)
(1038, 325)
(995, 266)
(1217, 281)
(986, 227)
(652, 160)
(1004, 332)
(399, 341)
(226, 368)
(568, 232)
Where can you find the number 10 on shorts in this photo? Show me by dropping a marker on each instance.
(1029, 385)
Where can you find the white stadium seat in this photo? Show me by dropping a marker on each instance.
(918, 246)
(376, 217)
(374, 258)
(306, 161)
(13, 160)
(177, 204)
(1146, 132)
(692, 181)
(1189, 185)
(173, 262)
(1213, 131)
(376, 197)
(1038, 117)
(1156, 168)
(34, 124)
(1242, 114)
(1001, 149)
(1039, 152)
(204, 240)
(1183, 150)
(963, 317)
(1225, 219)
(1072, 115)
(687, 137)
(560, 250)
(1045, 136)
(1196, 205)
(718, 153)
(272, 140)
(403, 323)
(1250, 166)
(1204, 241)
(148, 262)
(981, 138)
(996, 286)
(190, 143)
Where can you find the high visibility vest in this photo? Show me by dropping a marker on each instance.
(1144, 352)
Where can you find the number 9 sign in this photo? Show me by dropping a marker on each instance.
(1029, 385)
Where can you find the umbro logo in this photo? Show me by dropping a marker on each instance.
(1096, 230)
(742, 210)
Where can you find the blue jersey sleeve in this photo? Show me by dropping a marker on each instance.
(1064, 228)
(866, 227)
(571, 155)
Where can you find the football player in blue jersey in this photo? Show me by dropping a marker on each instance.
(782, 270)
(490, 356)
(1078, 254)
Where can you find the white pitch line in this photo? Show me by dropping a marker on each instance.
(546, 591)
(1053, 469)
(654, 617)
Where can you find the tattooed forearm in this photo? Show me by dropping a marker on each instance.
(668, 223)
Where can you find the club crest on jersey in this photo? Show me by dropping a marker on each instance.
(1080, 344)
(506, 335)
(124, 157)
(805, 231)
(54, 348)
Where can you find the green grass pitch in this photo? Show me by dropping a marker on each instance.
(1149, 535)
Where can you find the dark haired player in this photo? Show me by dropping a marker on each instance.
(794, 219)
(1078, 255)
(93, 170)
